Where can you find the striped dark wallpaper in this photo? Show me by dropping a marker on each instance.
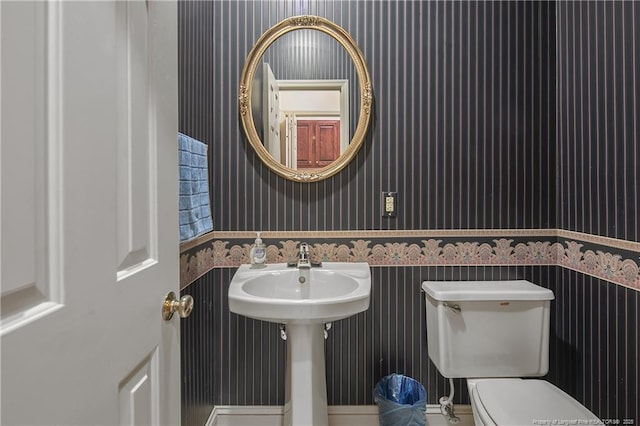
(599, 114)
(598, 65)
(594, 345)
(463, 124)
(464, 128)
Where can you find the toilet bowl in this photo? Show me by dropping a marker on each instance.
(494, 334)
(525, 402)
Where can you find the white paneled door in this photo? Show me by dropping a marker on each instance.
(271, 113)
(88, 167)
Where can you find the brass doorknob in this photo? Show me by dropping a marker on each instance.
(183, 306)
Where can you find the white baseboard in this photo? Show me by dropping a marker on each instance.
(339, 415)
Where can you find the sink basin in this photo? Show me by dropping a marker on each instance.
(305, 300)
(334, 291)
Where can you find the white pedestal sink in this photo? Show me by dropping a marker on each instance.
(304, 300)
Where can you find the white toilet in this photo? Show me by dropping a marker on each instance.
(493, 333)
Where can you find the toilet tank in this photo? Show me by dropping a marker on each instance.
(481, 329)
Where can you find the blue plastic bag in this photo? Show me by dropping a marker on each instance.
(402, 401)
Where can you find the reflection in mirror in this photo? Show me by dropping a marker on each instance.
(304, 93)
(305, 98)
(302, 122)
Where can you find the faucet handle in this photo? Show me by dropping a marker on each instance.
(303, 257)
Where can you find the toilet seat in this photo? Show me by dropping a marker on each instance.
(525, 402)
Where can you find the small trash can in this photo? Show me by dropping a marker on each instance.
(402, 401)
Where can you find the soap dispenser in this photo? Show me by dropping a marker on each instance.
(258, 254)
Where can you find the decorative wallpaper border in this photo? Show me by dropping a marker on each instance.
(380, 249)
(418, 233)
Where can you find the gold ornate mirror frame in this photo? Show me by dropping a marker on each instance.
(248, 73)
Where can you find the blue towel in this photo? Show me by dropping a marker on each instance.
(195, 211)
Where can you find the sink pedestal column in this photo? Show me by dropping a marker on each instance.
(305, 379)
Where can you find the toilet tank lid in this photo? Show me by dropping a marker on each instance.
(485, 290)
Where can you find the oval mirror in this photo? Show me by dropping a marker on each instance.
(305, 98)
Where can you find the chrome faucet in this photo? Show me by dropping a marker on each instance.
(303, 256)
